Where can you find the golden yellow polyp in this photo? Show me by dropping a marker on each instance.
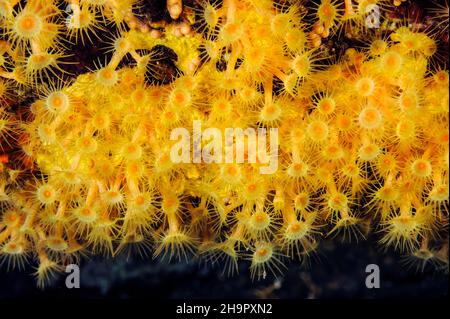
(361, 136)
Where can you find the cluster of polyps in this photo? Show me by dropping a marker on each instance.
(362, 145)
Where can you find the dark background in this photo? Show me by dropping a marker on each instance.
(336, 271)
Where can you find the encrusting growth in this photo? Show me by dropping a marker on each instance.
(363, 139)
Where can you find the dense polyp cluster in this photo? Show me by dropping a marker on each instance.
(363, 138)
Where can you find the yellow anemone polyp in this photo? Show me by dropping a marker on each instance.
(270, 113)
(326, 105)
(296, 230)
(301, 201)
(298, 169)
(231, 174)
(40, 61)
(101, 120)
(57, 102)
(388, 193)
(259, 221)
(368, 152)
(28, 25)
(370, 118)
(46, 133)
(46, 194)
(365, 86)
(107, 77)
(439, 193)
(421, 168)
(13, 248)
(231, 32)
(317, 131)
(57, 244)
(351, 170)
(338, 202)
(86, 215)
(87, 144)
(132, 151)
(301, 65)
(391, 62)
(263, 253)
(405, 130)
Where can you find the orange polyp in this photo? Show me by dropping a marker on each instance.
(301, 65)
(317, 131)
(369, 152)
(107, 74)
(179, 97)
(140, 200)
(295, 227)
(133, 168)
(232, 170)
(169, 115)
(327, 107)
(301, 201)
(421, 168)
(409, 44)
(164, 158)
(12, 217)
(370, 118)
(441, 77)
(365, 86)
(139, 96)
(333, 152)
(86, 211)
(298, 169)
(388, 193)
(28, 23)
(39, 58)
(343, 122)
(112, 194)
(407, 102)
(337, 202)
(231, 32)
(378, 47)
(270, 109)
(57, 102)
(170, 202)
(405, 130)
(231, 28)
(351, 170)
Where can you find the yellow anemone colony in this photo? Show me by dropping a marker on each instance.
(363, 142)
